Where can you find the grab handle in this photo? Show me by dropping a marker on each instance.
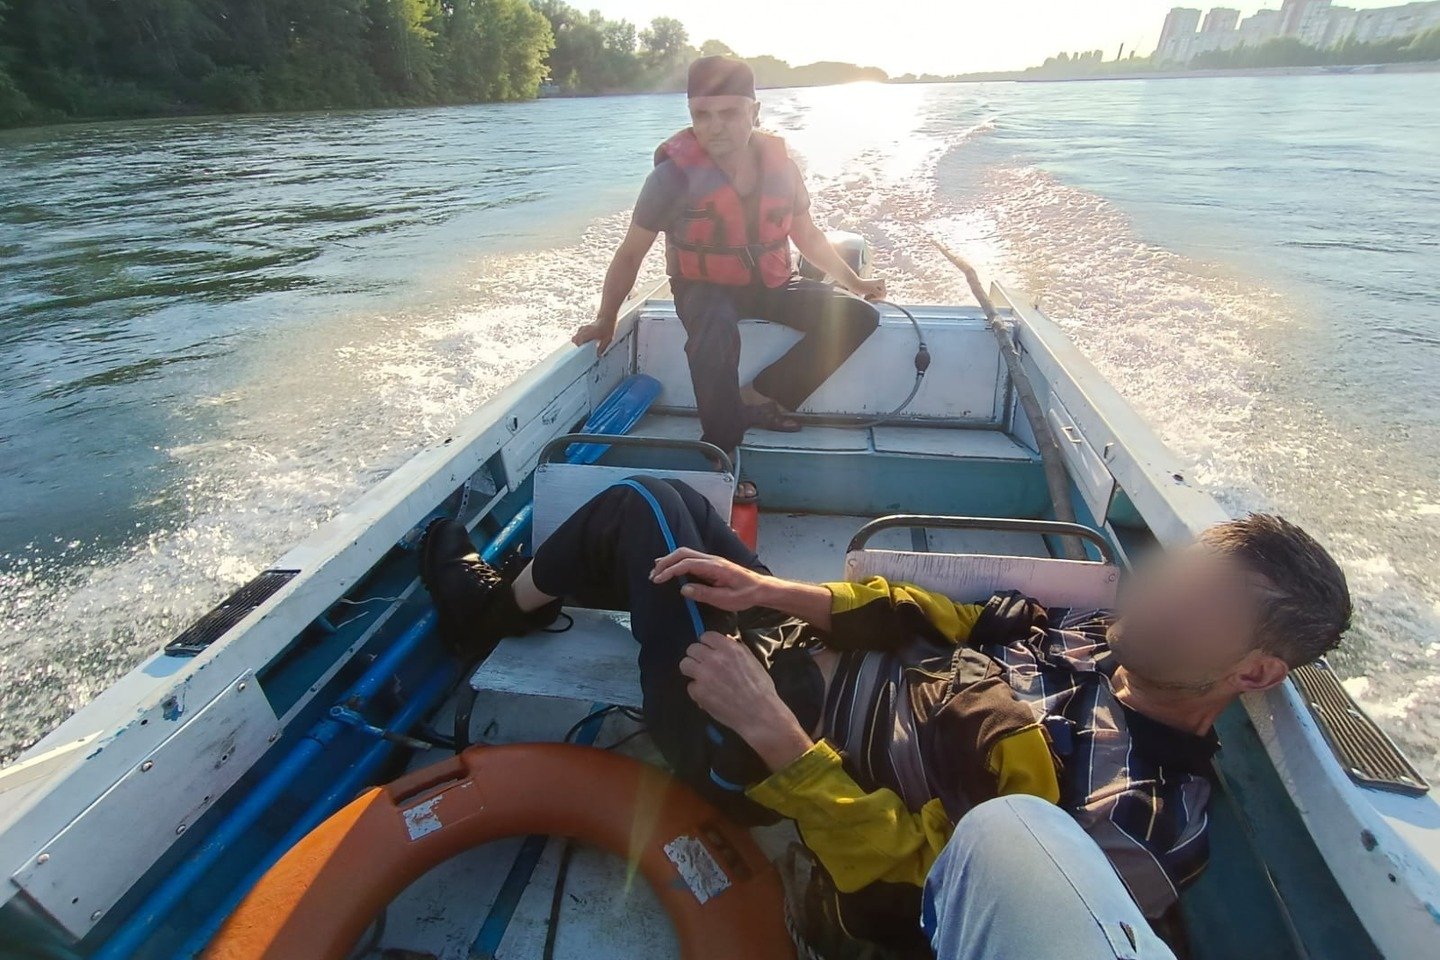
(1003, 525)
(556, 448)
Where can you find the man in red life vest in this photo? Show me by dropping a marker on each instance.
(730, 201)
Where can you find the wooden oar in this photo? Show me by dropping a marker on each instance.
(1055, 476)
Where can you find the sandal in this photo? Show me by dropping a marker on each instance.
(771, 416)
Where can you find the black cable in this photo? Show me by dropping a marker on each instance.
(464, 711)
(602, 712)
(627, 738)
(922, 363)
(557, 898)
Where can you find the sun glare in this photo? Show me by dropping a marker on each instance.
(865, 119)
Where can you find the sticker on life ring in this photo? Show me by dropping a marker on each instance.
(422, 819)
(697, 868)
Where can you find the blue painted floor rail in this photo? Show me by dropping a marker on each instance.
(621, 410)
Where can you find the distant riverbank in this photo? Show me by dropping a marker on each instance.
(1428, 66)
(219, 332)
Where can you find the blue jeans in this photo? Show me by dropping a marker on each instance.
(1020, 878)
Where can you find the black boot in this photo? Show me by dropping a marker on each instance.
(474, 601)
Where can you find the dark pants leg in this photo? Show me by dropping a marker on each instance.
(711, 315)
(834, 323)
(603, 556)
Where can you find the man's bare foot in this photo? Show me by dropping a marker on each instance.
(769, 415)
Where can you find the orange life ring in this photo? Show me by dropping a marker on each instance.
(720, 891)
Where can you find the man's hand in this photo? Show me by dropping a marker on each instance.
(713, 580)
(600, 331)
(871, 289)
(619, 281)
(729, 684)
(728, 586)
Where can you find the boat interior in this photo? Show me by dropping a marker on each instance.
(360, 672)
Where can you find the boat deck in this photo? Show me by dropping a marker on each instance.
(496, 901)
(192, 773)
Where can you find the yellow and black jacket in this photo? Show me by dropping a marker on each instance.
(932, 728)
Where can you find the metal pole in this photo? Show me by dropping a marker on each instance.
(1056, 477)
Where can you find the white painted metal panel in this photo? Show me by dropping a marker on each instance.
(969, 578)
(78, 876)
(965, 444)
(1086, 468)
(520, 455)
(965, 381)
(960, 442)
(1364, 834)
(593, 661)
(828, 439)
(130, 712)
(833, 439)
(563, 488)
(1394, 887)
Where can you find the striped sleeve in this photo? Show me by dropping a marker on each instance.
(1156, 835)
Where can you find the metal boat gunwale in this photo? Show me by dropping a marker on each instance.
(1381, 848)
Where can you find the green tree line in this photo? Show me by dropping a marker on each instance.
(1289, 52)
(596, 55)
(88, 58)
(63, 59)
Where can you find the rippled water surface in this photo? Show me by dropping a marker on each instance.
(216, 333)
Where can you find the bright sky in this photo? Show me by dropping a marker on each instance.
(923, 36)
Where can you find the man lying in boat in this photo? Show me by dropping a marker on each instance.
(730, 200)
(876, 714)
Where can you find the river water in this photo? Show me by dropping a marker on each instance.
(216, 333)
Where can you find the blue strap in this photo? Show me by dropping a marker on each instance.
(711, 731)
(694, 610)
(522, 868)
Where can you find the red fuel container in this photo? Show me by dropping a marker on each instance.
(745, 516)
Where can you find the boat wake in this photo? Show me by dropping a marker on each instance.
(335, 409)
(1203, 349)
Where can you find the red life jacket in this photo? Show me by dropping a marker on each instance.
(722, 238)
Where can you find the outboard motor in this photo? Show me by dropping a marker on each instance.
(852, 247)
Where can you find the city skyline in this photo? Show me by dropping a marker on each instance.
(1315, 23)
(922, 36)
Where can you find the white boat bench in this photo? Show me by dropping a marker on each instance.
(594, 660)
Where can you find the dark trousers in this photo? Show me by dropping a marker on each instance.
(602, 557)
(833, 321)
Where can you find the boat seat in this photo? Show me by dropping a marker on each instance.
(596, 463)
(968, 577)
(593, 661)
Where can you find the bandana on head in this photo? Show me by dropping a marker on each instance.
(720, 77)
